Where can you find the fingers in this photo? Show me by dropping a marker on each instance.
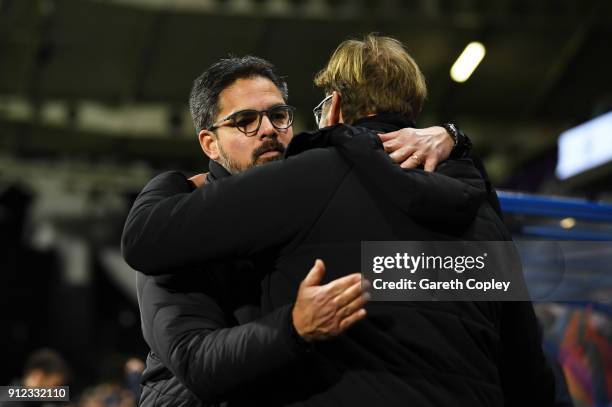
(341, 284)
(351, 304)
(392, 145)
(414, 147)
(407, 134)
(400, 138)
(411, 162)
(430, 164)
(315, 275)
(402, 154)
(355, 305)
(349, 321)
(355, 291)
(388, 136)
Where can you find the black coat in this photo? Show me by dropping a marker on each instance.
(338, 188)
(191, 323)
(206, 338)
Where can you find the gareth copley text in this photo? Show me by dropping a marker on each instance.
(426, 284)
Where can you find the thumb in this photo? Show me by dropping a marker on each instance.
(315, 275)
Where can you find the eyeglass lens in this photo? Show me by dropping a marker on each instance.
(249, 121)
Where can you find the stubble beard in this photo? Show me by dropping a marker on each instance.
(230, 165)
(234, 168)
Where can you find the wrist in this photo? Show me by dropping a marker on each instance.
(462, 145)
(295, 332)
(451, 130)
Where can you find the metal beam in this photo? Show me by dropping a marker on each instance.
(559, 67)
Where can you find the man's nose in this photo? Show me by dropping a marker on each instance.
(266, 129)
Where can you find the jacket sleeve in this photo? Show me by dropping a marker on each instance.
(232, 217)
(205, 349)
(526, 377)
(450, 196)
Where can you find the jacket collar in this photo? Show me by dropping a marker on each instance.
(381, 122)
(216, 171)
(385, 122)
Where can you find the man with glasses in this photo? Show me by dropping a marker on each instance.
(190, 319)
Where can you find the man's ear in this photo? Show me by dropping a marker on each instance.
(334, 115)
(209, 144)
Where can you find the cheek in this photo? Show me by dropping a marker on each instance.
(285, 138)
(239, 149)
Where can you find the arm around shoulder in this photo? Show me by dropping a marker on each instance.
(237, 216)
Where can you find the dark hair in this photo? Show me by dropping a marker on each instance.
(47, 360)
(204, 98)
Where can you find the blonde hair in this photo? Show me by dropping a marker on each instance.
(375, 75)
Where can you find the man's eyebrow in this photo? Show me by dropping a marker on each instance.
(269, 107)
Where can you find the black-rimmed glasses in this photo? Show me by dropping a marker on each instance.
(249, 121)
(318, 110)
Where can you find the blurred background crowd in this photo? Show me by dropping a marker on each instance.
(93, 103)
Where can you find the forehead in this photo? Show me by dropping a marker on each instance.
(249, 93)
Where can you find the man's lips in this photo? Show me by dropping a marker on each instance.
(270, 153)
(268, 150)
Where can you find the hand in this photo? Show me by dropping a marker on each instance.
(413, 147)
(324, 311)
(199, 179)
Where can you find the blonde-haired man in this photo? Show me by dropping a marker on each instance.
(376, 75)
